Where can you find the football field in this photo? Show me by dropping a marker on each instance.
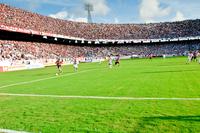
(141, 95)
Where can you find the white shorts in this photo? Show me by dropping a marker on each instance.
(76, 66)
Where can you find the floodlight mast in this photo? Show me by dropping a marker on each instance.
(89, 8)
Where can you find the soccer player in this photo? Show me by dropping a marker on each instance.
(117, 60)
(150, 56)
(58, 64)
(194, 57)
(110, 61)
(164, 56)
(76, 62)
(100, 59)
(198, 56)
(190, 56)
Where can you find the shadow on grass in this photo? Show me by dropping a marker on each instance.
(176, 118)
(162, 124)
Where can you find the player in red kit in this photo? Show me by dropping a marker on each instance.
(59, 63)
(117, 61)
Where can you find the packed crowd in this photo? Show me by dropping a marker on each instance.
(10, 16)
(19, 50)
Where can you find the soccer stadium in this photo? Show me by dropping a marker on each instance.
(60, 76)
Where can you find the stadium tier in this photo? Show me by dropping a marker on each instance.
(24, 20)
(18, 50)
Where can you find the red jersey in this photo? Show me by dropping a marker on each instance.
(59, 62)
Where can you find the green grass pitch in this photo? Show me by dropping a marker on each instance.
(138, 78)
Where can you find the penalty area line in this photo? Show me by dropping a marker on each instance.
(100, 97)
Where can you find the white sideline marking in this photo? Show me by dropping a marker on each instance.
(100, 97)
(10, 131)
(37, 80)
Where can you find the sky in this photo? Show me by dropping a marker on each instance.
(113, 11)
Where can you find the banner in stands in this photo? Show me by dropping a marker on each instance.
(6, 66)
(12, 68)
(9, 28)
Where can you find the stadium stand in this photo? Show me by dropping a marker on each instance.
(31, 21)
(30, 36)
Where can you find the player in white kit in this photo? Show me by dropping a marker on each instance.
(76, 62)
(198, 56)
(190, 55)
(110, 61)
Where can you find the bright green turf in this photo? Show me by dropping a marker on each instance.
(134, 78)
